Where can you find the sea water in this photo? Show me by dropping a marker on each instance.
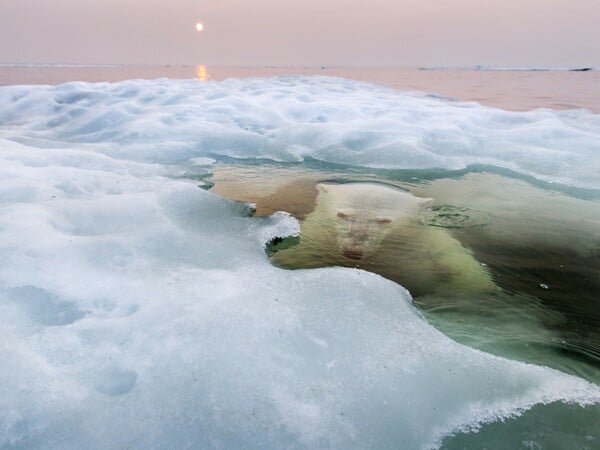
(493, 261)
(139, 309)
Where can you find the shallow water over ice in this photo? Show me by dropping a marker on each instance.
(137, 310)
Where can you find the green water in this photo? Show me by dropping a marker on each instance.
(549, 427)
(494, 262)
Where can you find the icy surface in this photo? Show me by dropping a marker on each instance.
(138, 311)
(290, 118)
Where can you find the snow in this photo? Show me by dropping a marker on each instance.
(291, 118)
(137, 310)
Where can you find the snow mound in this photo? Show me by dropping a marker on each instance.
(292, 118)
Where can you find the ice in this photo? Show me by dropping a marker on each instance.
(291, 118)
(43, 307)
(139, 311)
(114, 381)
(152, 317)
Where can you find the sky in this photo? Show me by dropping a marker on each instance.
(404, 33)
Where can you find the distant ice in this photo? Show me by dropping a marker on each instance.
(138, 311)
(291, 118)
(512, 68)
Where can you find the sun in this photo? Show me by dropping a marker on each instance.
(199, 27)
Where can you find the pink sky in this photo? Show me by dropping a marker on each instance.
(311, 32)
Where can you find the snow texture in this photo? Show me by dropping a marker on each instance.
(291, 118)
(138, 311)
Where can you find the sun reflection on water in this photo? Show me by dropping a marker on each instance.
(202, 72)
